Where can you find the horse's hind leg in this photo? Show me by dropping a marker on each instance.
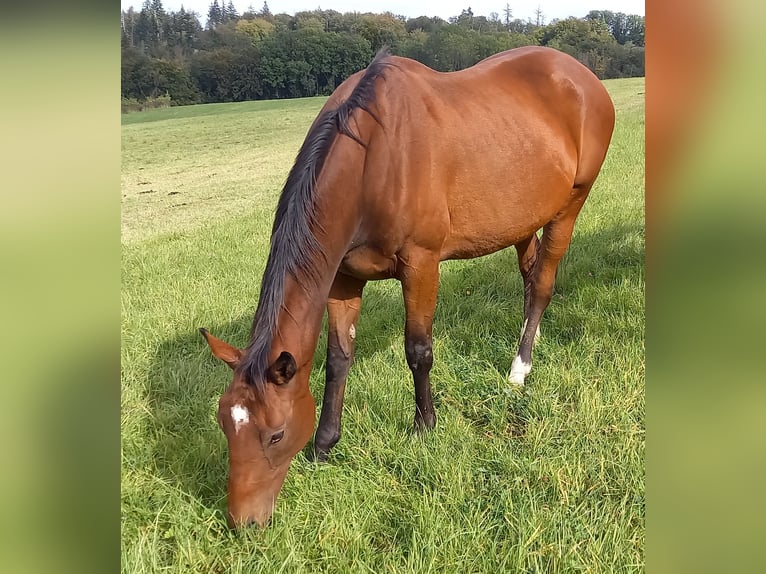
(343, 306)
(527, 252)
(420, 284)
(555, 242)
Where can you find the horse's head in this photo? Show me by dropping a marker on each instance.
(265, 429)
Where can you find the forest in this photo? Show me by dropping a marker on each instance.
(169, 58)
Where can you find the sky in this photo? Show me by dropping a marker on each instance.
(445, 9)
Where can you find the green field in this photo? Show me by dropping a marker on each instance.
(549, 479)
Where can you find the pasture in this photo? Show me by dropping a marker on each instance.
(545, 479)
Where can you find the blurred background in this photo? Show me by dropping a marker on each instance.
(706, 249)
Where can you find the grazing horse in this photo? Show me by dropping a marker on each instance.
(404, 167)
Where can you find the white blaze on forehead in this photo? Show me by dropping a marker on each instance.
(240, 416)
(352, 332)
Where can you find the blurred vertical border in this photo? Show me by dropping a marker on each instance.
(706, 256)
(60, 287)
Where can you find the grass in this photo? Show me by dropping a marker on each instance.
(550, 479)
(182, 167)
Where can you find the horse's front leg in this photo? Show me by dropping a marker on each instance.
(343, 306)
(420, 283)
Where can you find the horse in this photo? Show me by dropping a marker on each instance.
(404, 167)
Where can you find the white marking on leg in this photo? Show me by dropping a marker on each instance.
(240, 416)
(519, 370)
(352, 332)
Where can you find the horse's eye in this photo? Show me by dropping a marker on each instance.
(276, 437)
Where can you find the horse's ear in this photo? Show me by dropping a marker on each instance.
(283, 369)
(228, 354)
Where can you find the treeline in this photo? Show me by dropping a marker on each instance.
(169, 57)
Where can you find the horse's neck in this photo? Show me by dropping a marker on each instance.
(300, 319)
(336, 219)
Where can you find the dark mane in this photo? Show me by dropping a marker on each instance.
(294, 247)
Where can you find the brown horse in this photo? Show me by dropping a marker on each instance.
(433, 166)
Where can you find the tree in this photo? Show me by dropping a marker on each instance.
(145, 77)
(424, 23)
(452, 48)
(246, 82)
(213, 71)
(587, 40)
(381, 30)
(128, 28)
(261, 55)
(625, 61)
(157, 17)
(144, 32)
(250, 13)
(214, 15)
(256, 29)
(635, 30)
(465, 19)
(308, 21)
(190, 29)
(230, 12)
(182, 32)
(333, 20)
(133, 62)
(624, 27)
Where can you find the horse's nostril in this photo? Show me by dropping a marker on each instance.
(264, 524)
(246, 523)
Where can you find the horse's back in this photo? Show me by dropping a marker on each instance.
(533, 85)
(559, 82)
(466, 163)
(527, 85)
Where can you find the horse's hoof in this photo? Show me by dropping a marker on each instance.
(424, 424)
(519, 370)
(319, 456)
(516, 379)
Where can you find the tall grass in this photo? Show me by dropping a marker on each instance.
(546, 479)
